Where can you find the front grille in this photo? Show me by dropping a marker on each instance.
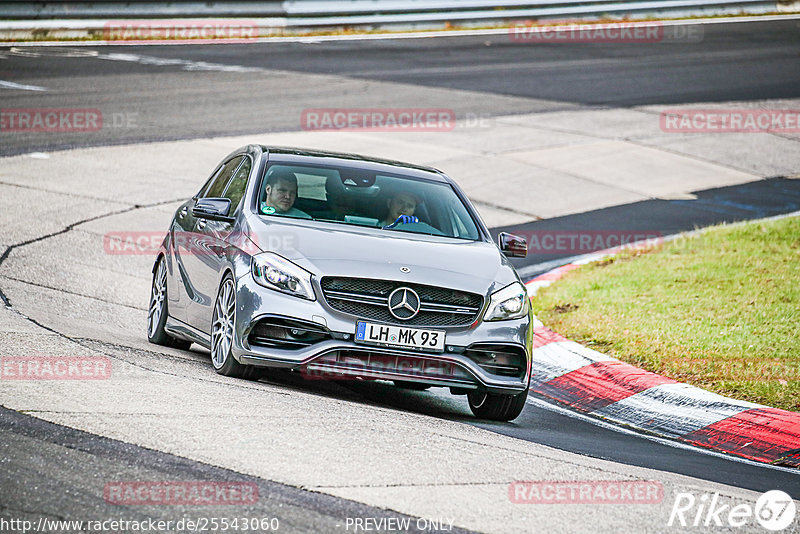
(501, 360)
(368, 299)
(286, 334)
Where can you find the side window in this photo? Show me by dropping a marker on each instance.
(221, 180)
(209, 182)
(235, 190)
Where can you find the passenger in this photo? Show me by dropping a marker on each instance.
(401, 210)
(280, 194)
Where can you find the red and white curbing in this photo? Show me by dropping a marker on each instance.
(602, 386)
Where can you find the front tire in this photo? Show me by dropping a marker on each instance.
(496, 407)
(223, 326)
(157, 311)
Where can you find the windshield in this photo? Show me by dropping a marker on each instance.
(356, 197)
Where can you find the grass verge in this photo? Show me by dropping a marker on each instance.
(720, 310)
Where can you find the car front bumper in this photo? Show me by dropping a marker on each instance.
(340, 356)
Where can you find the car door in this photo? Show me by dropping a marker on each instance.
(207, 259)
(179, 288)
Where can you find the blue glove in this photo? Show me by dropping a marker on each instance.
(403, 219)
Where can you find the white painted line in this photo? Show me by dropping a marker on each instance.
(314, 39)
(11, 85)
(185, 64)
(539, 403)
(50, 52)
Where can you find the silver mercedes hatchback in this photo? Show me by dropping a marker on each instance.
(341, 266)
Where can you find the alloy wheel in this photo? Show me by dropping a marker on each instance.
(157, 297)
(222, 323)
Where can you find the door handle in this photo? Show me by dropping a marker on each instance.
(201, 224)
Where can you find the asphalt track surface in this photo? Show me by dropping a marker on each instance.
(179, 92)
(188, 98)
(39, 471)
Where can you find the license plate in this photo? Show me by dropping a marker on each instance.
(400, 336)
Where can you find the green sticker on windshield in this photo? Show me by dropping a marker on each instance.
(268, 210)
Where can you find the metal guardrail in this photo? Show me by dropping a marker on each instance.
(65, 9)
(327, 13)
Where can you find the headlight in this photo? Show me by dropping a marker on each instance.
(275, 272)
(511, 302)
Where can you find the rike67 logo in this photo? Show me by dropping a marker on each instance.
(774, 510)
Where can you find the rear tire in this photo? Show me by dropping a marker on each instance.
(496, 407)
(157, 311)
(223, 325)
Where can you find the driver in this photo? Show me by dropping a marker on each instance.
(280, 194)
(401, 210)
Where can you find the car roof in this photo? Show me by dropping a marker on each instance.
(309, 156)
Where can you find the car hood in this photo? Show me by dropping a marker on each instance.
(329, 249)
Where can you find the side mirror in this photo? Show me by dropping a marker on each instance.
(512, 246)
(215, 209)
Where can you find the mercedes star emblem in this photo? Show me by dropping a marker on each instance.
(403, 303)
